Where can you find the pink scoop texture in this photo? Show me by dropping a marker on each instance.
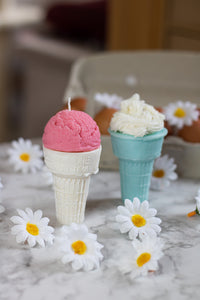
(71, 131)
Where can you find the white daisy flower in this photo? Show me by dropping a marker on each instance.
(25, 156)
(138, 219)
(197, 198)
(163, 172)
(109, 100)
(47, 176)
(197, 210)
(31, 227)
(80, 248)
(144, 259)
(181, 113)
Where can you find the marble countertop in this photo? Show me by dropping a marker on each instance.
(32, 274)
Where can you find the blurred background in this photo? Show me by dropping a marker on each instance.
(41, 39)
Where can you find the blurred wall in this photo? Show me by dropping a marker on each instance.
(35, 66)
(153, 24)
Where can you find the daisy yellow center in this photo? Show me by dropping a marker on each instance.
(138, 220)
(79, 247)
(179, 113)
(32, 229)
(143, 259)
(25, 157)
(159, 173)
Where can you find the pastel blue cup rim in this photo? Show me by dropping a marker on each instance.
(148, 137)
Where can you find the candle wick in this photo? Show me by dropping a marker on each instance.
(69, 103)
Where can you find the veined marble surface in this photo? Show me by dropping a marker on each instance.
(29, 274)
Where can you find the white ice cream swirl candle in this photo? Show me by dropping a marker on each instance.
(137, 118)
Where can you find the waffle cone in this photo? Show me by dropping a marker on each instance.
(71, 174)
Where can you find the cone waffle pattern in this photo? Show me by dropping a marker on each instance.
(136, 174)
(71, 195)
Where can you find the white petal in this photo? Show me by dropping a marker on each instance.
(154, 220)
(156, 228)
(29, 212)
(129, 205)
(67, 258)
(31, 241)
(134, 274)
(166, 183)
(44, 221)
(21, 141)
(152, 212)
(38, 215)
(22, 214)
(125, 227)
(143, 234)
(17, 228)
(92, 236)
(40, 241)
(89, 264)
(133, 233)
(136, 204)
(50, 229)
(28, 144)
(123, 211)
(155, 184)
(136, 245)
(50, 239)
(173, 176)
(77, 264)
(150, 232)
(17, 220)
(15, 145)
(153, 265)
(75, 226)
(144, 206)
(21, 237)
(122, 219)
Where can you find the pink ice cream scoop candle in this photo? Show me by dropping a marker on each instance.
(71, 131)
(72, 148)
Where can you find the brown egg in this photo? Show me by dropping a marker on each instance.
(166, 124)
(103, 119)
(191, 133)
(78, 103)
(159, 109)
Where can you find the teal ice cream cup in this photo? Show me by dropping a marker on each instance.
(136, 157)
